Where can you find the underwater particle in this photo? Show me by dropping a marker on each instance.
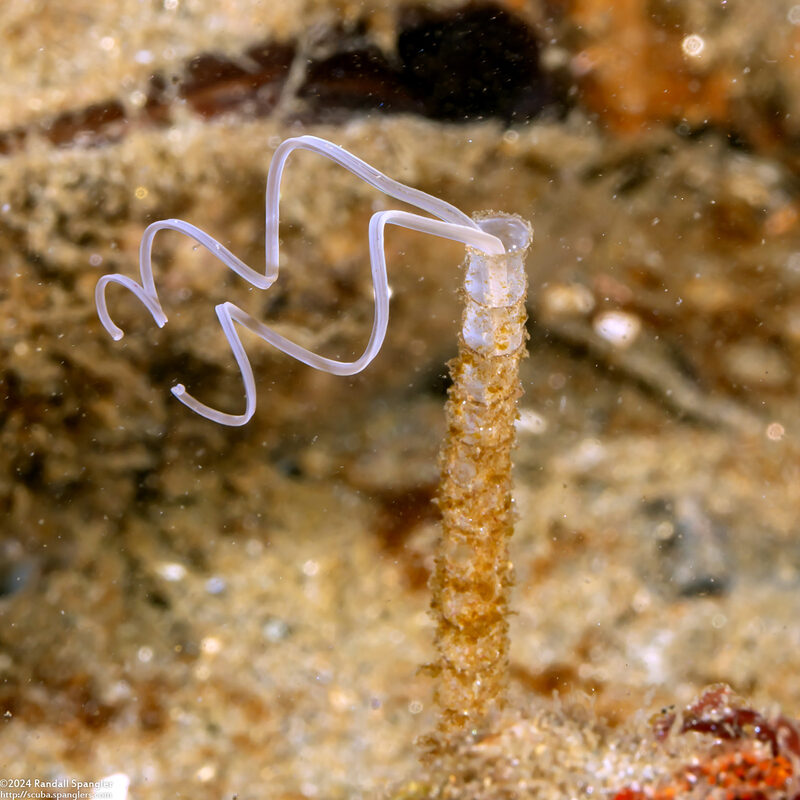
(216, 585)
(530, 422)
(775, 431)
(342, 699)
(206, 773)
(793, 260)
(137, 99)
(310, 568)
(793, 15)
(210, 645)
(585, 456)
(140, 193)
(619, 328)
(693, 45)
(567, 299)
(171, 571)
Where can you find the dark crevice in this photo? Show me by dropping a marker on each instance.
(215, 85)
(476, 62)
(356, 80)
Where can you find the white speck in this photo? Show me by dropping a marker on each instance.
(794, 15)
(531, 422)
(562, 299)
(775, 431)
(107, 43)
(210, 645)
(693, 45)
(145, 654)
(171, 571)
(415, 707)
(653, 657)
(310, 568)
(617, 327)
(587, 454)
(137, 98)
(95, 259)
(275, 630)
(143, 57)
(215, 585)
(208, 771)
(253, 547)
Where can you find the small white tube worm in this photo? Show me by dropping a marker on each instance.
(473, 572)
(451, 224)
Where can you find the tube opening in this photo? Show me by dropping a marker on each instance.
(513, 232)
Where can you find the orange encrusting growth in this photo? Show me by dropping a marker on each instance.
(473, 573)
(733, 776)
(633, 72)
(750, 756)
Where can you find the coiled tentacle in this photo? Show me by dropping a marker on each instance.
(451, 224)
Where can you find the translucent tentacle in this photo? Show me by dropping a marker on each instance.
(451, 224)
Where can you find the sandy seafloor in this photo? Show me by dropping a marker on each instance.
(225, 613)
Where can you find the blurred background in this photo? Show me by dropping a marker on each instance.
(225, 612)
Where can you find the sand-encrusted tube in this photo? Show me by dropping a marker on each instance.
(473, 573)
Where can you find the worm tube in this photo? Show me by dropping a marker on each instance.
(473, 574)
